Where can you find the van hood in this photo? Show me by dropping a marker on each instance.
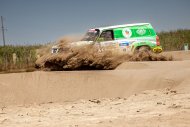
(56, 48)
(81, 43)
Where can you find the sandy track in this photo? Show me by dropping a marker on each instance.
(42, 87)
(135, 94)
(147, 109)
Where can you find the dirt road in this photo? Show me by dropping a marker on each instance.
(135, 94)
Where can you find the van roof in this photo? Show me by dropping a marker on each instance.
(124, 25)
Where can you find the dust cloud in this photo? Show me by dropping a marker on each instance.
(90, 57)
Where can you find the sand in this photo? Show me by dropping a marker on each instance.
(144, 94)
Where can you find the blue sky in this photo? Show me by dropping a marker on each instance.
(42, 21)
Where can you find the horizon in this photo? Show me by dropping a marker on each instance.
(44, 21)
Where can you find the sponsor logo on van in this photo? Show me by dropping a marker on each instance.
(124, 43)
(127, 33)
(141, 31)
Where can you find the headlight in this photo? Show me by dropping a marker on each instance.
(54, 49)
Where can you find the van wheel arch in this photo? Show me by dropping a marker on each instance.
(142, 48)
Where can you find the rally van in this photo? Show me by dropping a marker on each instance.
(126, 38)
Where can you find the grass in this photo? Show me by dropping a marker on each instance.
(174, 40)
(17, 57)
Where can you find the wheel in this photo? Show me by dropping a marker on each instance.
(144, 49)
(143, 53)
(141, 49)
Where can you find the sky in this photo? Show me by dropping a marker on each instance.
(43, 21)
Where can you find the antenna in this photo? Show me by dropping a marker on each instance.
(3, 31)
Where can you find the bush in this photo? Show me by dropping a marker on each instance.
(174, 40)
(25, 57)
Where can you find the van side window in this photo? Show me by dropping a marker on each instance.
(107, 35)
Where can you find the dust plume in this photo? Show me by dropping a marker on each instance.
(90, 57)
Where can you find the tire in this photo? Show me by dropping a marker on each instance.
(144, 49)
(143, 53)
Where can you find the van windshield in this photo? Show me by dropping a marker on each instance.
(91, 35)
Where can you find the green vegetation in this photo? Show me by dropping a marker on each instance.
(174, 40)
(17, 57)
